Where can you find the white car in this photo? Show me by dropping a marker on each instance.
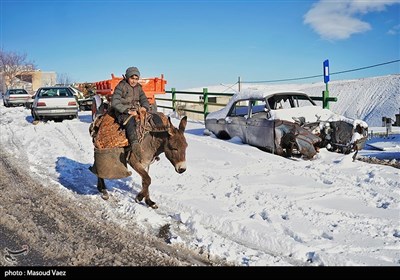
(54, 103)
(15, 97)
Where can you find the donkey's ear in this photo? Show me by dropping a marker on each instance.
(182, 124)
(170, 127)
(169, 122)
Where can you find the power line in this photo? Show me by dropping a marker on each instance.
(366, 67)
(321, 75)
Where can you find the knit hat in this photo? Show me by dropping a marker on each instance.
(132, 71)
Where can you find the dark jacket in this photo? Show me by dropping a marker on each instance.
(127, 98)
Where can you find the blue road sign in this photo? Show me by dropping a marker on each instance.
(326, 71)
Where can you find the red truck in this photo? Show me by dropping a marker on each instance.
(104, 90)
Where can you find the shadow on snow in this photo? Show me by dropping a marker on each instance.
(77, 177)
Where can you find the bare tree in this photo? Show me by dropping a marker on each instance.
(13, 64)
(63, 79)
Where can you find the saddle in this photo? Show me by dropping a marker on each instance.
(151, 122)
(107, 133)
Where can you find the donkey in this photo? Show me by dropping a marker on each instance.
(171, 142)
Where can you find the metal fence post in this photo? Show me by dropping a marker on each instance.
(205, 104)
(173, 92)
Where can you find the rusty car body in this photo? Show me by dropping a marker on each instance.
(286, 123)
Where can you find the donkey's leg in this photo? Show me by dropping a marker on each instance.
(101, 186)
(146, 181)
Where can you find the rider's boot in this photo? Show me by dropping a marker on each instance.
(133, 139)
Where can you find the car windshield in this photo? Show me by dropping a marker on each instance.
(55, 92)
(18, 91)
(287, 101)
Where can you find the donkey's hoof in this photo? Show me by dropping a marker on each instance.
(151, 203)
(154, 206)
(104, 195)
(139, 198)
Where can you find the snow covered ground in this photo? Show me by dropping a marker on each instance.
(234, 201)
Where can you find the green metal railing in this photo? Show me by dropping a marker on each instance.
(205, 95)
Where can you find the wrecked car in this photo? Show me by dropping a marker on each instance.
(286, 123)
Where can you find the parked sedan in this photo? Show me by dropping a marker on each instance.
(286, 123)
(54, 103)
(15, 97)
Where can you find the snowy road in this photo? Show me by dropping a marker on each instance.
(234, 201)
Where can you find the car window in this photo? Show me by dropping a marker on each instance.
(54, 92)
(300, 101)
(258, 109)
(304, 102)
(17, 91)
(40, 92)
(48, 92)
(240, 108)
(64, 92)
(257, 106)
(22, 92)
(271, 103)
(289, 101)
(284, 103)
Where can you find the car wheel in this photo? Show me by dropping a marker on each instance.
(346, 150)
(288, 143)
(334, 148)
(223, 135)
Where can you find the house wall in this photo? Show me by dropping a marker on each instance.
(30, 81)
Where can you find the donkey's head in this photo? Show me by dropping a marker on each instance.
(175, 146)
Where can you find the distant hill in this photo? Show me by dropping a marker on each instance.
(368, 99)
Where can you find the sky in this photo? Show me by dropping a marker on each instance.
(194, 43)
(234, 201)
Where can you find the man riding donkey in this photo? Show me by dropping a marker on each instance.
(129, 101)
(148, 133)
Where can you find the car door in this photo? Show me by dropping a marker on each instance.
(259, 131)
(235, 122)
